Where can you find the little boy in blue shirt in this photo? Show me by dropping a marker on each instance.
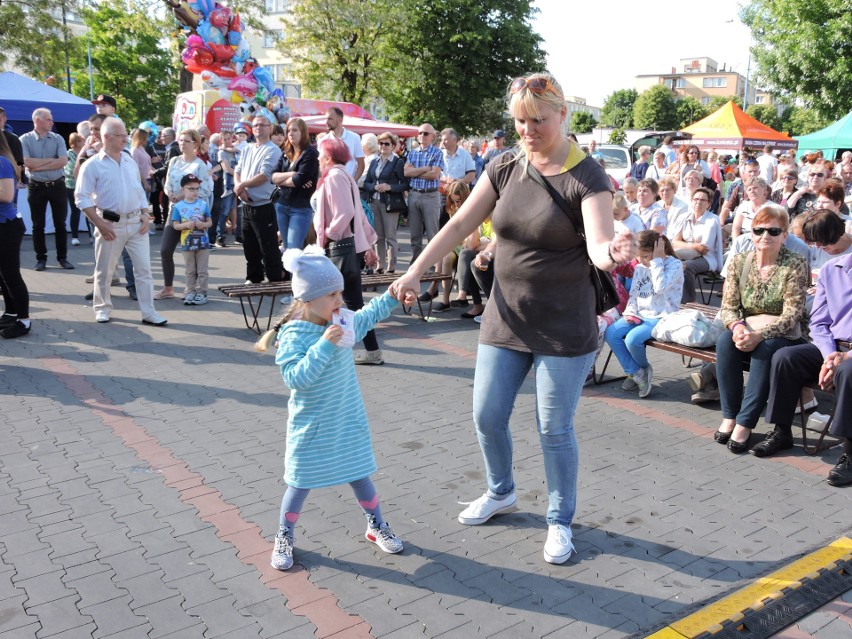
(191, 217)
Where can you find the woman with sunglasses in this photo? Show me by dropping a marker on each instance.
(787, 186)
(693, 163)
(804, 199)
(384, 185)
(541, 313)
(771, 282)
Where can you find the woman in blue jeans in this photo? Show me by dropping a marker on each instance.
(770, 282)
(297, 174)
(541, 315)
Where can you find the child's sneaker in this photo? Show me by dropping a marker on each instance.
(189, 300)
(282, 554)
(200, 299)
(643, 380)
(384, 538)
(629, 384)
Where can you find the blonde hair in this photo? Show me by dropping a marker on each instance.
(296, 310)
(619, 203)
(456, 188)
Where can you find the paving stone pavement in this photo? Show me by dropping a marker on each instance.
(140, 482)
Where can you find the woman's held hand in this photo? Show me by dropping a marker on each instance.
(623, 247)
(402, 287)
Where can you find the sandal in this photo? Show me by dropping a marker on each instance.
(163, 295)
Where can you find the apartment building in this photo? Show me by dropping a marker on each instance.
(703, 79)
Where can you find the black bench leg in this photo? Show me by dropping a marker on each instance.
(819, 446)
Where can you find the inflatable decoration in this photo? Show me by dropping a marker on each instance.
(219, 54)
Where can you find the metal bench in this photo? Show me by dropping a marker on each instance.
(254, 296)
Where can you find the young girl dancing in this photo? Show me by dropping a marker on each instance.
(656, 290)
(328, 438)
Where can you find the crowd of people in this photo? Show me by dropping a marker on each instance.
(776, 230)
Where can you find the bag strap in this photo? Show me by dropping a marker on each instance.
(539, 179)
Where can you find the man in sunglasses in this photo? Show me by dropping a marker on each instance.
(804, 200)
(423, 168)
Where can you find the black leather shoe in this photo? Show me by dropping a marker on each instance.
(841, 474)
(68, 266)
(90, 296)
(15, 330)
(738, 447)
(774, 442)
(40, 265)
(721, 438)
(427, 296)
(131, 291)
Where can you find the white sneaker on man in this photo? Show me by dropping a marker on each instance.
(102, 317)
(559, 546)
(484, 508)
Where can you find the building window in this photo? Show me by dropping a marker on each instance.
(759, 99)
(680, 84)
(705, 100)
(715, 83)
(271, 38)
(275, 6)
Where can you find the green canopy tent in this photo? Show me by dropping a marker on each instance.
(833, 140)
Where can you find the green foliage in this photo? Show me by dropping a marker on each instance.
(342, 48)
(617, 136)
(801, 121)
(689, 111)
(456, 57)
(766, 114)
(132, 61)
(718, 101)
(34, 38)
(803, 49)
(655, 109)
(582, 122)
(617, 110)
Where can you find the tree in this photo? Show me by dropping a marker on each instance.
(655, 109)
(689, 110)
(617, 136)
(456, 57)
(617, 110)
(801, 121)
(342, 49)
(803, 49)
(766, 114)
(131, 61)
(582, 122)
(718, 101)
(35, 39)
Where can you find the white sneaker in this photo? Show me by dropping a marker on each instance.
(629, 384)
(643, 380)
(102, 317)
(200, 299)
(384, 538)
(373, 358)
(558, 548)
(155, 320)
(75, 241)
(189, 300)
(282, 553)
(484, 508)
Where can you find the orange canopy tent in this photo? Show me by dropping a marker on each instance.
(731, 127)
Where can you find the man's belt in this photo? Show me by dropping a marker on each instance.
(424, 190)
(45, 184)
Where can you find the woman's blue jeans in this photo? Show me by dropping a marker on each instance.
(740, 401)
(627, 341)
(293, 224)
(558, 383)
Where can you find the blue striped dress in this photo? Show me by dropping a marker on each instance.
(328, 437)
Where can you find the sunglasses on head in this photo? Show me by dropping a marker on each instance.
(534, 85)
(774, 231)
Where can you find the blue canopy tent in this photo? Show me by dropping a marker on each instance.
(832, 140)
(20, 96)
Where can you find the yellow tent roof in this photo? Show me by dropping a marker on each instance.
(730, 126)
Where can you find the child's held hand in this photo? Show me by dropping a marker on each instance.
(333, 334)
(410, 298)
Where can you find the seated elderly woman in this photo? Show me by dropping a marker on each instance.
(831, 197)
(653, 215)
(629, 186)
(788, 179)
(763, 309)
(676, 209)
(657, 170)
(698, 242)
(691, 181)
(757, 191)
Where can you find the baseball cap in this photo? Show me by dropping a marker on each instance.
(241, 127)
(499, 133)
(103, 98)
(189, 178)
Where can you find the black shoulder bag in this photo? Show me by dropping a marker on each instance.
(606, 295)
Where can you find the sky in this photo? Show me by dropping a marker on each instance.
(595, 48)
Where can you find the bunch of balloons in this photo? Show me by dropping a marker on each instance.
(217, 51)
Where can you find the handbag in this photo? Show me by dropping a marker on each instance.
(606, 295)
(396, 201)
(688, 327)
(342, 252)
(761, 320)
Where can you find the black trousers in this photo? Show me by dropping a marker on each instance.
(260, 243)
(792, 368)
(15, 293)
(353, 295)
(38, 197)
(471, 279)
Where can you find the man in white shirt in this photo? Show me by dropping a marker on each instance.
(768, 165)
(109, 186)
(334, 122)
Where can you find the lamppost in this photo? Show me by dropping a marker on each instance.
(67, 58)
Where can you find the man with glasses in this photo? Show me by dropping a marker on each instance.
(253, 187)
(804, 200)
(45, 157)
(698, 242)
(736, 194)
(109, 192)
(423, 168)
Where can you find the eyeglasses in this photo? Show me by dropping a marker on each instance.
(192, 188)
(790, 177)
(816, 175)
(700, 199)
(774, 231)
(692, 152)
(424, 133)
(385, 144)
(538, 86)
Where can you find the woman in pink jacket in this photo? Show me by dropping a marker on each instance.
(344, 231)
